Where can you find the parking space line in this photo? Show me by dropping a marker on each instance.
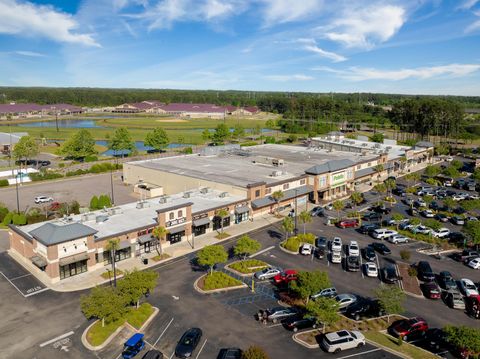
(14, 286)
(164, 330)
(21, 276)
(262, 251)
(57, 338)
(198, 354)
(37, 292)
(362, 353)
(171, 356)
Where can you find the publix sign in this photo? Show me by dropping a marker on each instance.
(338, 178)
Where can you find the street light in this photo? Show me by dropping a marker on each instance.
(111, 185)
(296, 214)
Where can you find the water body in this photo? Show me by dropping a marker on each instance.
(63, 124)
(139, 145)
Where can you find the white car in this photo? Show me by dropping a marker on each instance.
(43, 199)
(467, 287)
(337, 244)
(336, 257)
(383, 233)
(353, 249)
(326, 293)
(458, 197)
(267, 273)
(342, 340)
(344, 300)
(421, 229)
(441, 233)
(428, 213)
(449, 159)
(474, 263)
(306, 249)
(398, 239)
(371, 269)
(473, 196)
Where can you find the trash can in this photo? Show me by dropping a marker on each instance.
(145, 261)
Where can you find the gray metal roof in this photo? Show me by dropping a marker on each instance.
(330, 166)
(50, 233)
(364, 172)
(424, 144)
(5, 137)
(289, 194)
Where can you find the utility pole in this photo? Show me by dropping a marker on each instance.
(296, 214)
(111, 185)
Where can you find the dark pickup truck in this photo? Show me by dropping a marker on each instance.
(353, 263)
(465, 255)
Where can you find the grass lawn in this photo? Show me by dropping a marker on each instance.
(248, 266)
(161, 257)
(218, 280)
(407, 349)
(222, 235)
(135, 317)
(109, 274)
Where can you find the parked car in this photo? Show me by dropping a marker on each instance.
(267, 273)
(456, 237)
(425, 272)
(285, 277)
(277, 314)
(319, 253)
(474, 263)
(230, 353)
(364, 308)
(372, 216)
(353, 249)
(465, 255)
(188, 342)
(295, 324)
(306, 249)
(153, 354)
(381, 248)
(382, 209)
(446, 281)
(473, 196)
(467, 287)
(369, 253)
(344, 300)
(399, 191)
(371, 269)
(454, 299)
(412, 212)
(431, 290)
(389, 274)
(342, 340)
(133, 346)
(336, 257)
(318, 212)
(458, 197)
(428, 213)
(321, 242)
(336, 244)
(368, 228)
(383, 233)
(327, 292)
(353, 263)
(398, 238)
(408, 201)
(409, 329)
(441, 233)
(420, 203)
(441, 217)
(42, 199)
(348, 223)
(420, 229)
(460, 221)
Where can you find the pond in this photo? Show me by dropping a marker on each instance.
(62, 124)
(139, 145)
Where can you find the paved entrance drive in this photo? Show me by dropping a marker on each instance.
(22, 280)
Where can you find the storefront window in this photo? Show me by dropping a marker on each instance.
(199, 230)
(69, 270)
(175, 237)
(241, 217)
(217, 222)
(120, 255)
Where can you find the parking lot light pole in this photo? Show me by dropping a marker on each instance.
(296, 214)
(111, 185)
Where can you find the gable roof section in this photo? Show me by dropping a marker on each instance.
(330, 166)
(50, 233)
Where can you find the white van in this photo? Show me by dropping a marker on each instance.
(343, 339)
(336, 257)
(383, 233)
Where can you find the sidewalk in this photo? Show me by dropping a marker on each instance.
(93, 278)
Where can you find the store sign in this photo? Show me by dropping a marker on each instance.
(175, 222)
(338, 178)
(200, 216)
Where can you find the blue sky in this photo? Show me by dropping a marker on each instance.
(407, 46)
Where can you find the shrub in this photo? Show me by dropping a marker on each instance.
(412, 272)
(7, 219)
(76, 173)
(269, 139)
(42, 176)
(248, 266)
(19, 219)
(3, 183)
(291, 138)
(90, 158)
(248, 143)
(293, 243)
(219, 280)
(405, 255)
(254, 352)
(94, 203)
(3, 213)
(61, 165)
(187, 150)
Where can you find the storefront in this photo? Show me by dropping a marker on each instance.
(200, 225)
(217, 222)
(73, 265)
(146, 243)
(123, 252)
(175, 234)
(241, 214)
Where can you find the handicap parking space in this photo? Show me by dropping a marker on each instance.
(22, 280)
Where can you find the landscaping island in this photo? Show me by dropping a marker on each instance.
(217, 281)
(247, 266)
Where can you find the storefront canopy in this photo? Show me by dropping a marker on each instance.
(241, 210)
(177, 230)
(39, 261)
(201, 222)
(146, 238)
(73, 259)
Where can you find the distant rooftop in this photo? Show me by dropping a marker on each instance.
(248, 165)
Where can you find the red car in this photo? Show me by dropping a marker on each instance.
(431, 290)
(473, 306)
(285, 277)
(54, 206)
(348, 223)
(409, 329)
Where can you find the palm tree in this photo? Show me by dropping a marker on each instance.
(403, 161)
(338, 206)
(160, 233)
(356, 198)
(379, 169)
(288, 226)
(112, 245)
(390, 184)
(222, 213)
(277, 196)
(305, 217)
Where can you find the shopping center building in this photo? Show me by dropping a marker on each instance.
(197, 190)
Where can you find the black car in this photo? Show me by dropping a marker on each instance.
(153, 354)
(398, 191)
(369, 254)
(435, 205)
(319, 253)
(230, 353)
(318, 211)
(382, 209)
(389, 274)
(372, 216)
(459, 210)
(297, 323)
(381, 248)
(368, 228)
(321, 242)
(364, 308)
(188, 342)
(446, 281)
(425, 272)
(450, 193)
(353, 263)
(456, 237)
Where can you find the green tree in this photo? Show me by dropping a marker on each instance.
(464, 337)
(270, 124)
(94, 203)
(222, 214)
(432, 171)
(104, 201)
(158, 139)
(449, 203)
(397, 217)
(415, 221)
(121, 140)
(211, 255)
(412, 178)
(104, 303)
(380, 188)
(206, 135)
(160, 233)
(472, 231)
(112, 245)
(310, 283)
(246, 246)
(377, 137)
(288, 226)
(433, 224)
(356, 198)
(238, 131)
(254, 352)
(222, 132)
(338, 206)
(451, 171)
(136, 284)
(325, 310)
(305, 217)
(428, 199)
(80, 145)
(378, 170)
(391, 299)
(456, 164)
(26, 148)
(277, 197)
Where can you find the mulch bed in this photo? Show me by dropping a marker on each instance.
(410, 284)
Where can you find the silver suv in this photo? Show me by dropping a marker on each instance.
(343, 339)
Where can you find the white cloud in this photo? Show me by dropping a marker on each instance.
(364, 27)
(286, 78)
(467, 4)
(473, 27)
(28, 19)
(282, 11)
(311, 45)
(29, 53)
(362, 73)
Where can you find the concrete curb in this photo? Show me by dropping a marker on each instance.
(201, 291)
(87, 345)
(400, 354)
(303, 343)
(387, 349)
(286, 250)
(244, 275)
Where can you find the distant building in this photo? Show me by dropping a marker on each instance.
(7, 139)
(26, 110)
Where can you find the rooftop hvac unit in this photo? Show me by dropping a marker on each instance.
(101, 218)
(277, 162)
(187, 195)
(115, 210)
(143, 204)
(223, 195)
(205, 190)
(163, 199)
(276, 173)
